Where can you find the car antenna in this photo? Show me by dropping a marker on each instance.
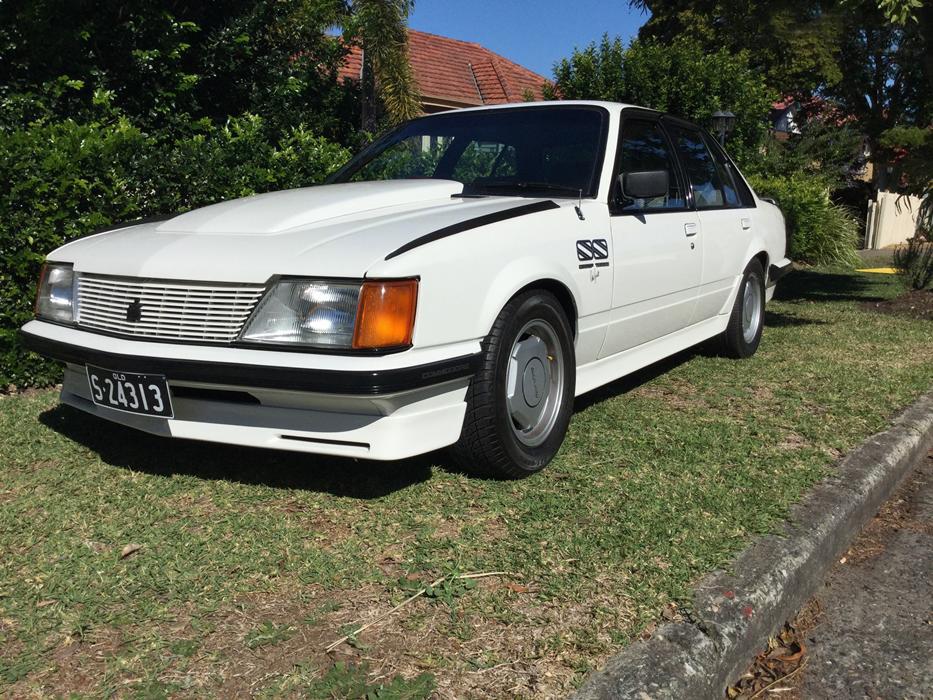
(579, 206)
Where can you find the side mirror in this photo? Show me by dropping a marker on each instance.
(647, 184)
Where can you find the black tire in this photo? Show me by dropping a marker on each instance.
(489, 445)
(734, 341)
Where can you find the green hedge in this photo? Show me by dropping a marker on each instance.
(65, 180)
(820, 232)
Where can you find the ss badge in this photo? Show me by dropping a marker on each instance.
(592, 252)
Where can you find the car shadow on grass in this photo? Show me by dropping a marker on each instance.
(813, 285)
(709, 348)
(774, 319)
(632, 381)
(131, 449)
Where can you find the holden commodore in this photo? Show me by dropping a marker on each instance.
(456, 284)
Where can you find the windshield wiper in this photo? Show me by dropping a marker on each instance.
(528, 186)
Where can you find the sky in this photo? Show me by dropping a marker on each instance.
(534, 33)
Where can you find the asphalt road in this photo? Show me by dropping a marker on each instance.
(873, 634)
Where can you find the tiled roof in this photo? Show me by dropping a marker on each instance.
(352, 67)
(459, 71)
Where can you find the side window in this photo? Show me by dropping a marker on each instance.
(702, 172)
(644, 148)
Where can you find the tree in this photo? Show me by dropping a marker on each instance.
(888, 88)
(793, 44)
(872, 57)
(679, 78)
(869, 61)
(834, 153)
(381, 29)
(901, 11)
(886, 81)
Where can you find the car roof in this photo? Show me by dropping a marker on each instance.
(611, 106)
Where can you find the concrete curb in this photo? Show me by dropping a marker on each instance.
(770, 580)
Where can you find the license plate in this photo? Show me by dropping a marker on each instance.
(133, 393)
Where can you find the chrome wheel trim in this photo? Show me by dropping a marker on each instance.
(751, 309)
(535, 382)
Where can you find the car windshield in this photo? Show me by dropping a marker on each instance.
(550, 151)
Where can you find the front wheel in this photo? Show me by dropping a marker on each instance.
(743, 334)
(520, 400)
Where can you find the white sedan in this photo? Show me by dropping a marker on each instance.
(456, 284)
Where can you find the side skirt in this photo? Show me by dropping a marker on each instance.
(595, 374)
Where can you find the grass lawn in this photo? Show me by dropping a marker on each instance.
(250, 563)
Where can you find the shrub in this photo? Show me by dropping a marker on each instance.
(65, 180)
(914, 263)
(235, 160)
(819, 232)
(828, 151)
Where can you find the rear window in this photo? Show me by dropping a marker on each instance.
(706, 179)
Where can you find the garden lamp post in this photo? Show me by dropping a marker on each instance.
(723, 123)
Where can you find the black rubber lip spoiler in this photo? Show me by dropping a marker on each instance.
(775, 273)
(476, 222)
(261, 376)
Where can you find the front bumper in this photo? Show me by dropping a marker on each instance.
(370, 407)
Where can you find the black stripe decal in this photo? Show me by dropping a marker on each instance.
(484, 220)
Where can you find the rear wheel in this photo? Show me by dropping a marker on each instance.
(743, 334)
(520, 400)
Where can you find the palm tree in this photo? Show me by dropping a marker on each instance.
(381, 28)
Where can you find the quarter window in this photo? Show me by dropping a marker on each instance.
(645, 148)
(741, 195)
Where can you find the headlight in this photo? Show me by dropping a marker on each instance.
(56, 293)
(340, 315)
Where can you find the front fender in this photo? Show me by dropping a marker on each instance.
(466, 279)
(518, 275)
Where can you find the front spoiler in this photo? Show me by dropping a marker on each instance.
(324, 381)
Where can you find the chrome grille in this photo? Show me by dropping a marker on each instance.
(167, 310)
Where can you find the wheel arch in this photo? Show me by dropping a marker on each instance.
(755, 252)
(762, 257)
(523, 274)
(561, 292)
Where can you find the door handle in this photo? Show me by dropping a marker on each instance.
(746, 224)
(690, 230)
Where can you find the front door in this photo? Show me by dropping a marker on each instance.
(656, 245)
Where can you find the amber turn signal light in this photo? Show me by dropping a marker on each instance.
(386, 315)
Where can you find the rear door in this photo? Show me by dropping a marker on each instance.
(657, 243)
(724, 206)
